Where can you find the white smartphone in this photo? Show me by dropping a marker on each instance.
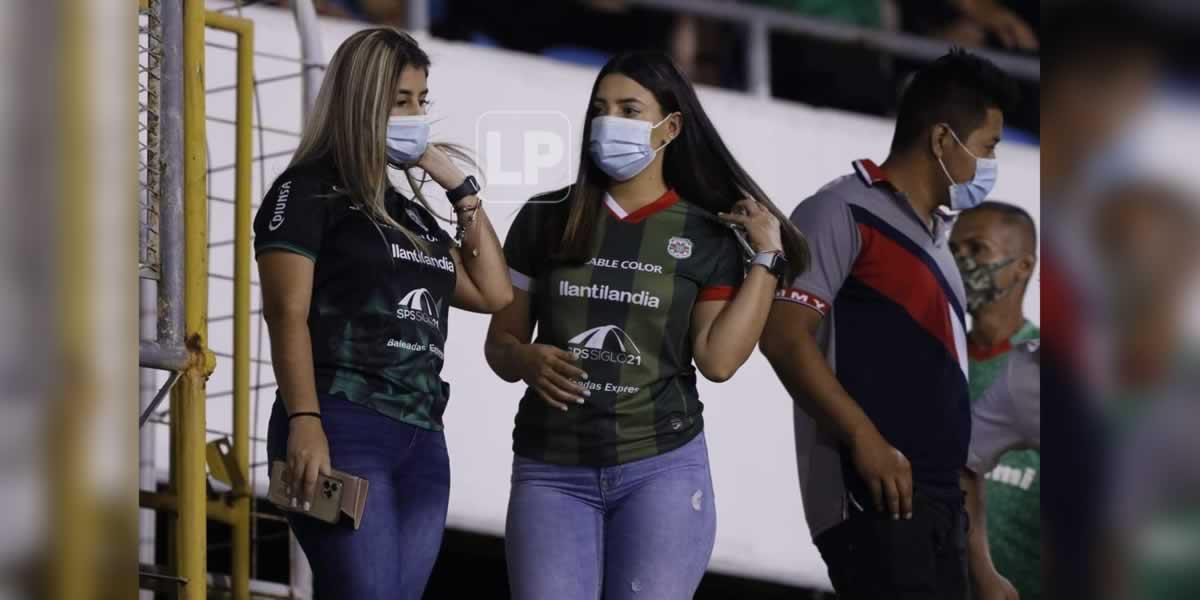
(740, 233)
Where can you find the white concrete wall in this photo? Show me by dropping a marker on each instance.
(789, 148)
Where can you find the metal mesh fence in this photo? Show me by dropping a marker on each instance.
(150, 40)
(274, 140)
(283, 139)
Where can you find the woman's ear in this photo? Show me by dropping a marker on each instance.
(673, 127)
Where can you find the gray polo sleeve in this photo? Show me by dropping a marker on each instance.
(834, 242)
(1008, 415)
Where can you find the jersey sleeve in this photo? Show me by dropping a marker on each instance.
(834, 243)
(1025, 380)
(519, 250)
(292, 217)
(1006, 416)
(726, 276)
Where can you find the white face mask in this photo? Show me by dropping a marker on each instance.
(407, 138)
(972, 193)
(621, 147)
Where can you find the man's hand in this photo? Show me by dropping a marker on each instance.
(886, 472)
(1012, 31)
(993, 586)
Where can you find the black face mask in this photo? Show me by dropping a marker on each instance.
(979, 281)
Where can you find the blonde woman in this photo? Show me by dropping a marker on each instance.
(357, 281)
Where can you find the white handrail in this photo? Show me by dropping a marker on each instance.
(760, 21)
(312, 54)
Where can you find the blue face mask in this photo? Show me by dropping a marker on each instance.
(407, 138)
(974, 192)
(621, 147)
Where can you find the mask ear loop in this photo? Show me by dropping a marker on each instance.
(960, 143)
(655, 126)
(942, 163)
(965, 149)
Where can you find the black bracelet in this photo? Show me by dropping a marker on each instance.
(303, 414)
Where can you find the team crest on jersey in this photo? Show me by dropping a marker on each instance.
(679, 247)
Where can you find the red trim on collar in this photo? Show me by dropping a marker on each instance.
(662, 203)
(869, 172)
(979, 353)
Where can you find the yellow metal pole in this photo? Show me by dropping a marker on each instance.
(188, 396)
(74, 540)
(241, 294)
(217, 509)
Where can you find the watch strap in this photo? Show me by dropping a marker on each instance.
(774, 262)
(468, 187)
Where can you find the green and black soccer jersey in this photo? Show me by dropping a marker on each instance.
(626, 314)
(379, 304)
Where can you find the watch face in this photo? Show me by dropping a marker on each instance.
(778, 264)
(468, 187)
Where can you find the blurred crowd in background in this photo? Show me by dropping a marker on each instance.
(711, 51)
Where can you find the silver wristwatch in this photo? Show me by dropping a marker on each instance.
(774, 261)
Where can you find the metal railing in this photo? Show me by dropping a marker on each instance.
(761, 21)
(181, 346)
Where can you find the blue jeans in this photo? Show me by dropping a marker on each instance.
(644, 529)
(392, 554)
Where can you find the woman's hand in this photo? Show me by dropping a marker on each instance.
(761, 226)
(552, 373)
(307, 455)
(437, 163)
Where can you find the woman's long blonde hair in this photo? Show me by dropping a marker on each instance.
(349, 119)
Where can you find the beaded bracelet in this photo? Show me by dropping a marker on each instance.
(465, 222)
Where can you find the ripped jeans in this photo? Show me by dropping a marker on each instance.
(643, 529)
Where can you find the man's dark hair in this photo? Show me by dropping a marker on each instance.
(957, 89)
(1014, 216)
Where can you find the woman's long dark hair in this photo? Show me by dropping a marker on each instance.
(697, 165)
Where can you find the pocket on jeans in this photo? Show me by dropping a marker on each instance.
(842, 553)
(526, 469)
(903, 550)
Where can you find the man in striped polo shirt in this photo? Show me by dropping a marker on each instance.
(871, 345)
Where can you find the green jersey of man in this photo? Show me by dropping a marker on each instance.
(1013, 488)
